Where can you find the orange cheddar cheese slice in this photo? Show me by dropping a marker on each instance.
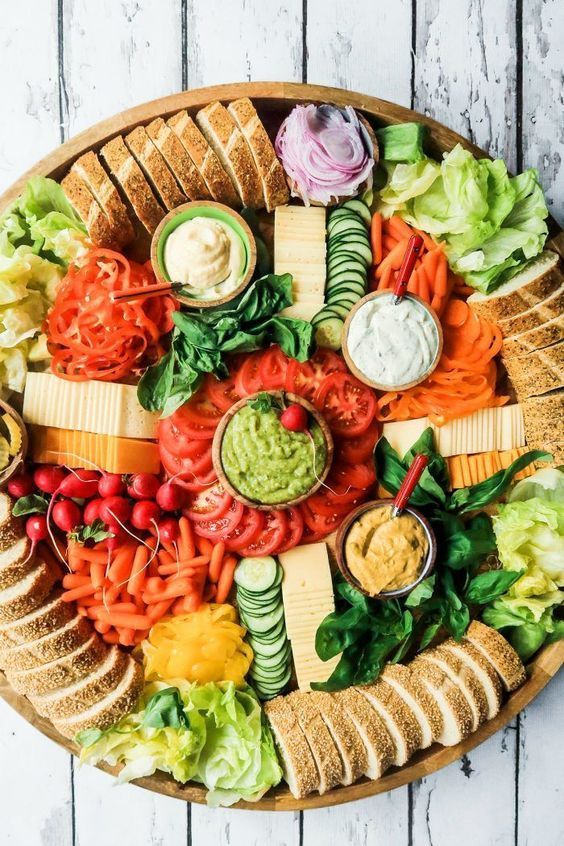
(85, 449)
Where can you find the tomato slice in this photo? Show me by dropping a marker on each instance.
(360, 476)
(330, 504)
(247, 379)
(348, 405)
(272, 368)
(270, 538)
(196, 467)
(360, 448)
(178, 441)
(221, 392)
(317, 523)
(246, 531)
(198, 417)
(294, 531)
(197, 484)
(304, 378)
(219, 529)
(210, 504)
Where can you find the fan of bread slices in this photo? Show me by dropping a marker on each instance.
(225, 154)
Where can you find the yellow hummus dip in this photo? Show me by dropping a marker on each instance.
(385, 554)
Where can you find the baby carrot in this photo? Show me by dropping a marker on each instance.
(205, 546)
(126, 637)
(73, 580)
(210, 592)
(385, 278)
(159, 609)
(124, 620)
(98, 573)
(216, 559)
(191, 602)
(376, 237)
(101, 627)
(121, 565)
(226, 579)
(424, 292)
(78, 593)
(394, 258)
(388, 244)
(111, 637)
(399, 228)
(413, 283)
(427, 240)
(176, 568)
(186, 546)
(175, 587)
(137, 576)
(441, 276)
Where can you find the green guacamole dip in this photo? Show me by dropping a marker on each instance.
(267, 463)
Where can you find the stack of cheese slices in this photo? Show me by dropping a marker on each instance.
(225, 155)
(330, 739)
(50, 653)
(300, 249)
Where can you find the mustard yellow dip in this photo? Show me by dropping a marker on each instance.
(385, 554)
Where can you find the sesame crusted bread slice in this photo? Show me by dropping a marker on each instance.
(538, 372)
(62, 672)
(89, 168)
(223, 134)
(16, 561)
(107, 710)
(539, 278)
(418, 700)
(155, 168)
(129, 177)
(52, 615)
(379, 745)
(274, 185)
(217, 180)
(457, 715)
(10, 527)
(543, 419)
(463, 677)
(482, 669)
(178, 160)
(397, 717)
(51, 646)
(531, 318)
(88, 209)
(320, 740)
(534, 339)
(68, 701)
(347, 739)
(28, 594)
(298, 763)
(498, 652)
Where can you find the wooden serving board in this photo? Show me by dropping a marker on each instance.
(274, 100)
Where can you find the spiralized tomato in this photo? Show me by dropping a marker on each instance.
(92, 337)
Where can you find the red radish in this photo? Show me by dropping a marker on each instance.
(145, 513)
(92, 511)
(116, 541)
(168, 530)
(114, 511)
(111, 484)
(79, 484)
(143, 486)
(36, 528)
(170, 497)
(48, 478)
(294, 418)
(66, 515)
(22, 485)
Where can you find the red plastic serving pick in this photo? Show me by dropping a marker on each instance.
(414, 246)
(411, 478)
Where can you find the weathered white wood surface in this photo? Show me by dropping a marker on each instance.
(493, 71)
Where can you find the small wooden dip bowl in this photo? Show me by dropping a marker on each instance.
(218, 439)
(362, 376)
(17, 460)
(213, 211)
(341, 538)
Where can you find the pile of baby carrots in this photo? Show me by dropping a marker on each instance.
(127, 590)
(431, 279)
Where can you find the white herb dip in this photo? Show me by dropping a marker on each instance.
(393, 345)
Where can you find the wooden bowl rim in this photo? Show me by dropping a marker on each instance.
(189, 302)
(218, 438)
(358, 373)
(17, 461)
(344, 529)
(440, 139)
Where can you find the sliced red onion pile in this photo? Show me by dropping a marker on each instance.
(326, 152)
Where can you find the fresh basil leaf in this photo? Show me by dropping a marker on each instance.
(264, 402)
(485, 587)
(449, 589)
(457, 620)
(32, 504)
(463, 545)
(424, 590)
(338, 631)
(434, 479)
(264, 259)
(391, 470)
(156, 383)
(344, 674)
(476, 496)
(429, 633)
(164, 709)
(352, 596)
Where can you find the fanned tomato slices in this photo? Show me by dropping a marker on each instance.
(223, 527)
(359, 449)
(305, 378)
(294, 530)
(247, 380)
(347, 405)
(272, 369)
(269, 540)
(211, 504)
(199, 417)
(246, 531)
(221, 392)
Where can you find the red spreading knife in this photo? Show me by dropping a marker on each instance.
(414, 247)
(408, 485)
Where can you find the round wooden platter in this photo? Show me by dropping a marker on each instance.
(273, 100)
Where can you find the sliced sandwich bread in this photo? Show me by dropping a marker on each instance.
(233, 151)
(107, 710)
(417, 699)
(398, 718)
(538, 372)
(534, 339)
(539, 278)
(61, 672)
(27, 594)
(543, 419)
(10, 527)
(175, 155)
(48, 648)
(464, 678)
(531, 318)
(482, 669)
(454, 707)
(379, 745)
(274, 187)
(89, 210)
(155, 168)
(130, 179)
(90, 170)
(50, 616)
(320, 741)
(349, 743)
(217, 181)
(498, 652)
(298, 763)
(16, 561)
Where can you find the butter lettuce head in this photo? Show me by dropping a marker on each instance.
(213, 734)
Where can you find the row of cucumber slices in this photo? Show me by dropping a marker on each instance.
(261, 611)
(349, 257)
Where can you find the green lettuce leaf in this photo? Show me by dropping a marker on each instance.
(401, 142)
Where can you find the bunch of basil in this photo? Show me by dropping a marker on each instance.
(371, 632)
(202, 339)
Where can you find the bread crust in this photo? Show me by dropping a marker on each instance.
(135, 187)
(178, 160)
(538, 372)
(90, 169)
(91, 214)
(155, 168)
(500, 306)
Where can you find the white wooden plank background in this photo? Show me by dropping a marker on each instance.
(493, 70)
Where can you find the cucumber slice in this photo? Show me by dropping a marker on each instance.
(338, 214)
(256, 574)
(264, 622)
(267, 596)
(258, 610)
(360, 248)
(268, 649)
(354, 289)
(270, 677)
(273, 687)
(270, 636)
(344, 226)
(354, 274)
(329, 332)
(272, 663)
(360, 208)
